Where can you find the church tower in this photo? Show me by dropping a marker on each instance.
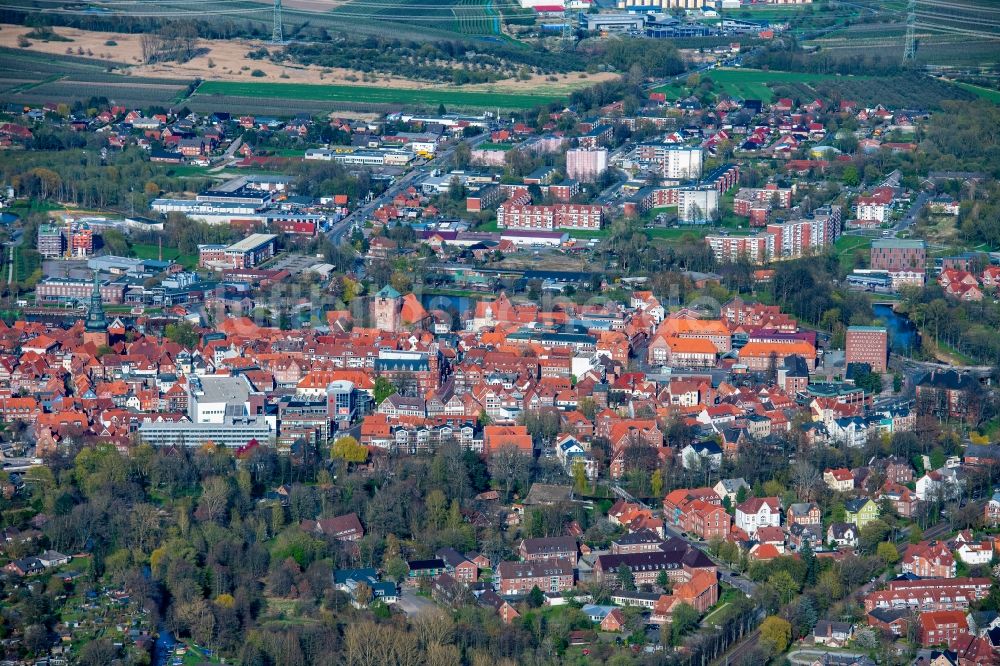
(96, 327)
(386, 309)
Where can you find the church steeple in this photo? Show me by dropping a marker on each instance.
(96, 320)
(96, 327)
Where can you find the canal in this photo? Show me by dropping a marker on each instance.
(904, 338)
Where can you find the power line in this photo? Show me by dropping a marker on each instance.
(276, 37)
(910, 47)
(109, 14)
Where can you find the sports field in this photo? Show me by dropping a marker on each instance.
(367, 94)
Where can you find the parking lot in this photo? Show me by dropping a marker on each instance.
(413, 604)
(293, 263)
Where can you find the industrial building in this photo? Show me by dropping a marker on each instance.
(614, 22)
(247, 253)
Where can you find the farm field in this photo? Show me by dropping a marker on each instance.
(58, 71)
(367, 94)
(749, 83)
(466, 17)
(904, 90)
(949, 33)
(32, 78)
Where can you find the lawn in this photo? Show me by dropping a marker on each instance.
(845, 247)
(728, 596)
(169, 254)
(27, 264)
(190, 170)
(377, 95)
(850, 243)
(580, 234)
(984, 93)
(489, 145)
(676, 234)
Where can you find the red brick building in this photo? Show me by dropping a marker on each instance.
(898, 255)
(943, 627)
(550, 548)
(706, 520)
(868, 344)
(676, 557)
(548, 575)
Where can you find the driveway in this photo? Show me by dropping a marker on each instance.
(413, 604)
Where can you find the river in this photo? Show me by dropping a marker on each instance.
(903, 336)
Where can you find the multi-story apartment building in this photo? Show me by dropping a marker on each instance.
(51, 242)
(586, 165)
(943, 627)
(781, 240)
(868, 344)
(777, 197)
(676, 162)
(61, 290)
(548, 548)
(516, 578)
(512, 215)
(898, 255)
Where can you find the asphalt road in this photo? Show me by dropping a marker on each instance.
(726, 574)
(339, 230)
(911, 215)
(413, 604)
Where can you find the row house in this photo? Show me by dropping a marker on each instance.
(19, 409)
(929, 560)
(413, 439)
(930, 594)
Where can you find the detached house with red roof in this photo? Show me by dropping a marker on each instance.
(839, 479)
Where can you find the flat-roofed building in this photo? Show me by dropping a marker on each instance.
(231, 433)
(247, 253)
(898, 254)
(868, 344)
(63, 290)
